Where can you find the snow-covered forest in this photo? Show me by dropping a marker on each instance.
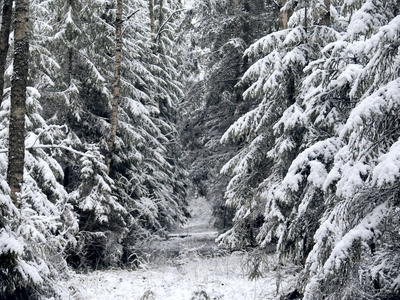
(272, 123)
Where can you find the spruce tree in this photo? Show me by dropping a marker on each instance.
(326, 196)
(37, 226)
(142, 176)
(218, 32)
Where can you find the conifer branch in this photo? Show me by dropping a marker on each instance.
(160, 30)
(53, 147)
(131, 15)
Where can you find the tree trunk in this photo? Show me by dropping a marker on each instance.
(155, 38)
(283, 16)
(116, 85)
(4, 37)
(160, 23)
(325, 14)
(152, 27)
(306, 17)
(16, 144)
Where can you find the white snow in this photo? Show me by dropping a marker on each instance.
(292, 117)
(29, 272)
(363, 231)
(181, 276)
(388, 169)
(383, 101)
(9, 244)
(318, 173)
(220, 278)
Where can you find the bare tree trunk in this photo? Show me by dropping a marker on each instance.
(154, 36)
(325, 14)
(4, 37)
(16, 144)
(306, 17)
(152, 27)
(283, 16)
(235, 4)
(160, 23)
(116, 85)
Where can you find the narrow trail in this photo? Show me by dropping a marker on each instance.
(185, 266)
(196, 236)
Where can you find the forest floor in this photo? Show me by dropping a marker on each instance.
(187, 266)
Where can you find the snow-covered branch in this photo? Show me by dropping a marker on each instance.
(166, 22)
(53, 147)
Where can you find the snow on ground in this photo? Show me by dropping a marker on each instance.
(202, 218)
(223, 277)
(187, 266)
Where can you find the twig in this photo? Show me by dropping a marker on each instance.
(165, 23)
(53, 146)
(131, 15)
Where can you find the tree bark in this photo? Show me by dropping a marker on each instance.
(116, 85)
(325, 14)
(6, 18)
(160, 24)
(16, 144)
(235, 4)
(152, 27)
(283, 16)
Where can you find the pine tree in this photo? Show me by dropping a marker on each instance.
(116, 85)
(59, 52)
(272, 130)
(364, 196)
(70, 200)
(155, 177)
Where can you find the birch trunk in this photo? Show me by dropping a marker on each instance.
(16, 144)
(116, 85)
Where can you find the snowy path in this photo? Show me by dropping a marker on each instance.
(218, 278)
(184, 267)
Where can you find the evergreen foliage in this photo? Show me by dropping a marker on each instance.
(70, 205)
(301, 122)
(36, 233)
(218, 32)
(319, 155)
